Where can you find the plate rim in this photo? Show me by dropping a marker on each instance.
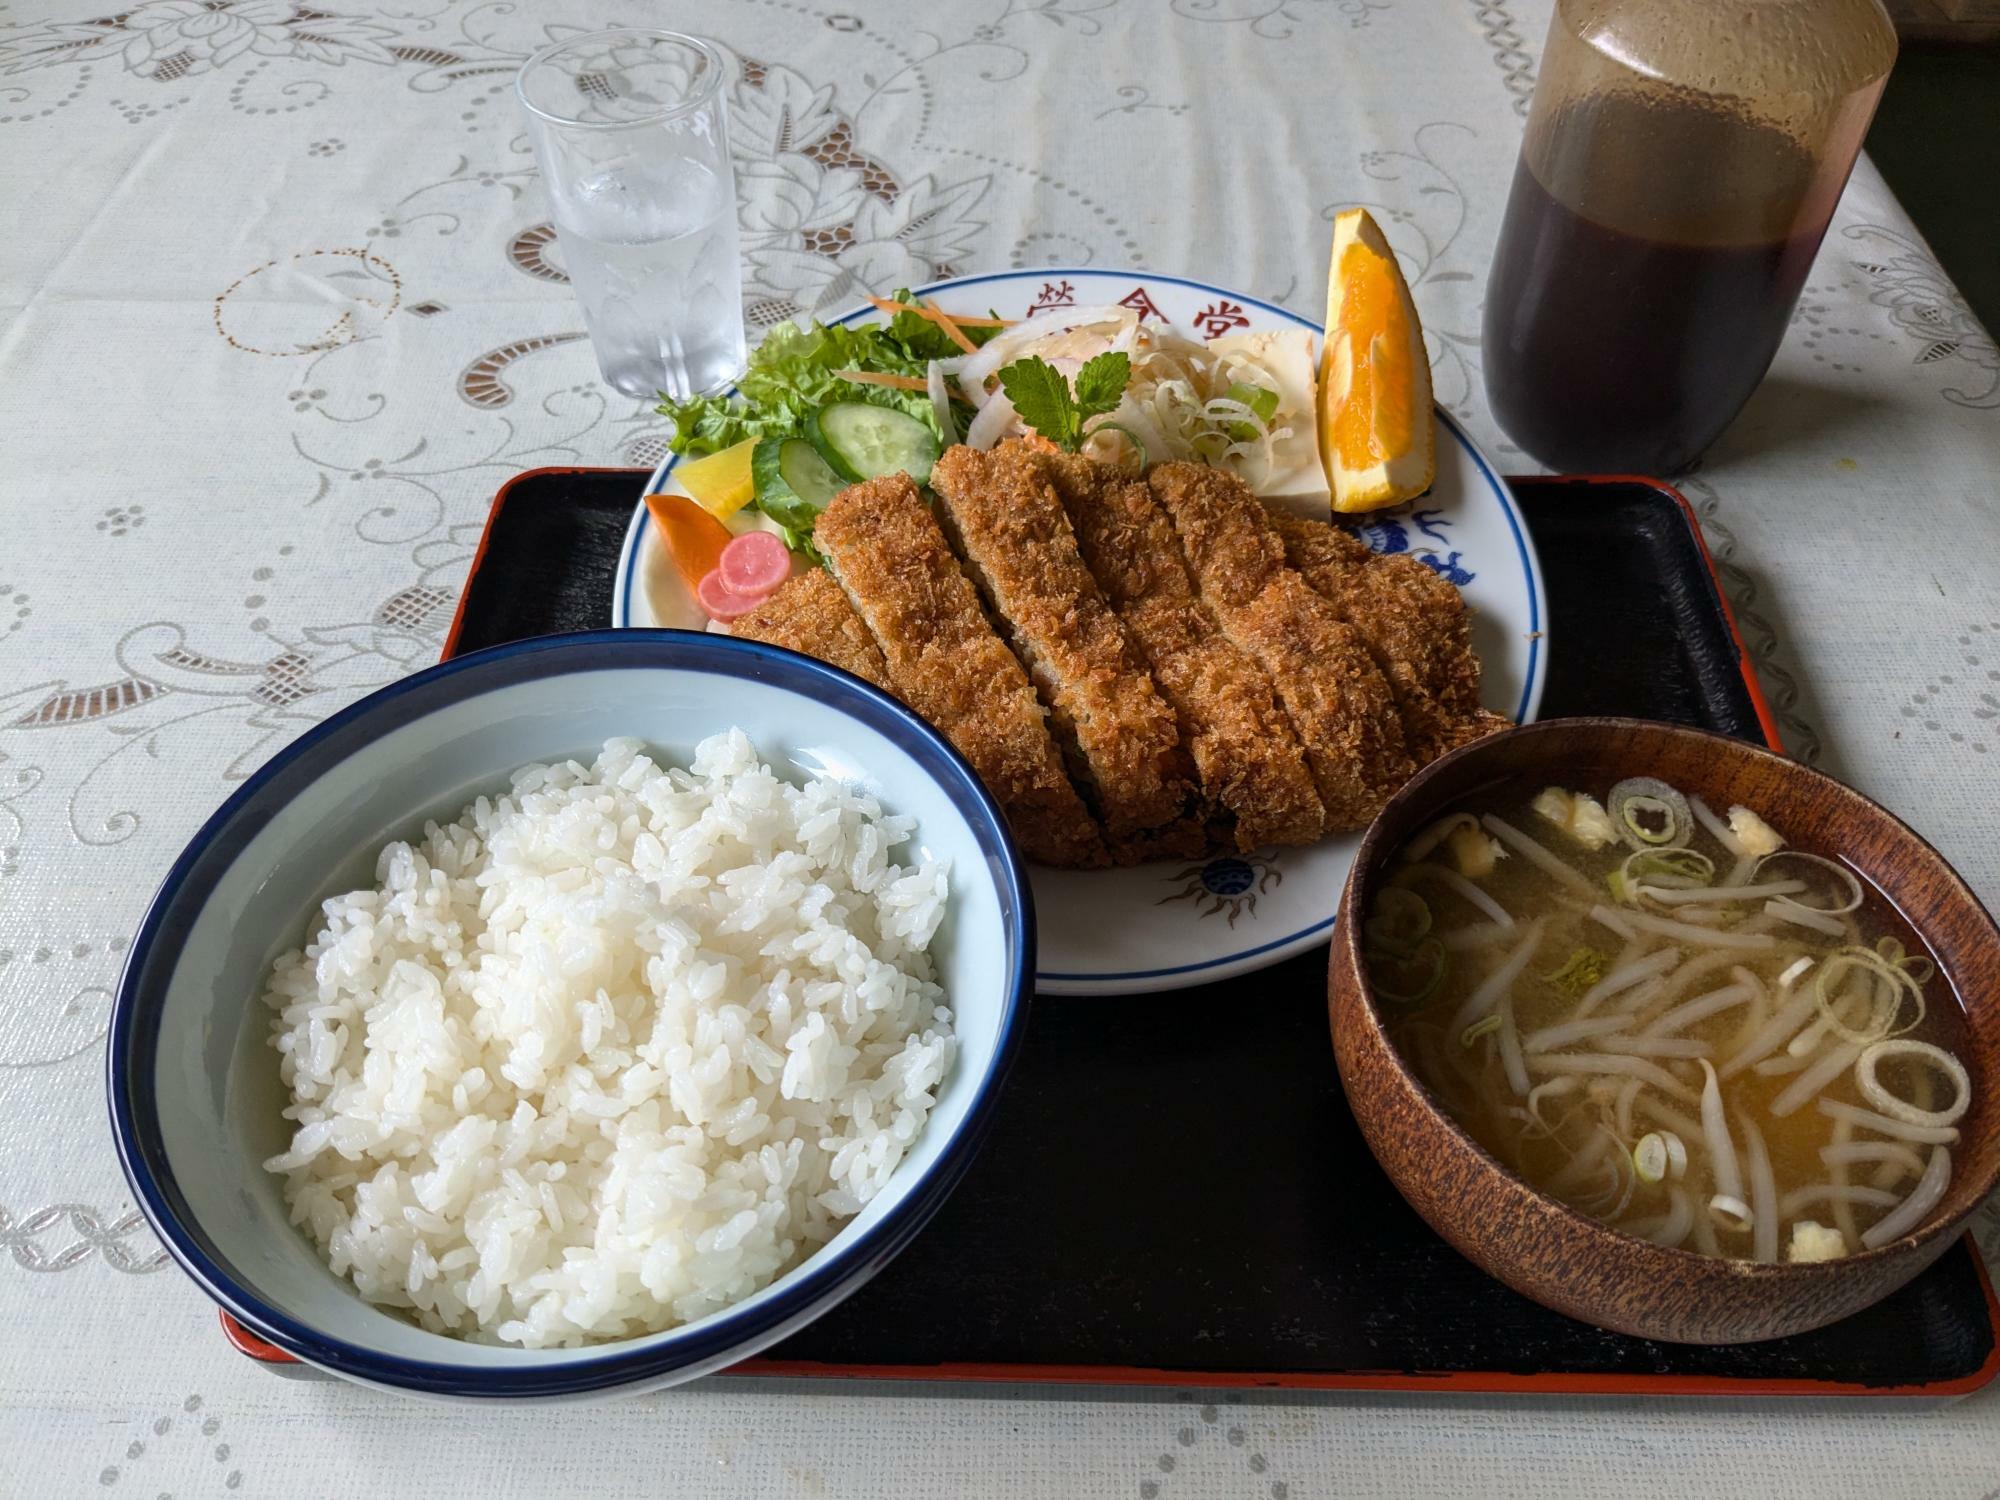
(1263, 955)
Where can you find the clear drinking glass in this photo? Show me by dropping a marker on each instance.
(631, 133)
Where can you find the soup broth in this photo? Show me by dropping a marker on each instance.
(1767, 1075)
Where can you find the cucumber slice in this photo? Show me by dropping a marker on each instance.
(793, 482)
(861, 440)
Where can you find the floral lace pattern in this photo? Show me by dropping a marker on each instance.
(284, 311)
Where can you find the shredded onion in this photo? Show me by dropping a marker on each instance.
(941, 402)
(1510, 1045)
(1625, 977)
(1480, 1001)
(1731, 1212)
(994, 418)
(1763, 1192)
(1867, 1119)
(1804, 916)
(1456, 882)
(1717, 895)
(1687, 932)
(1721, 831)
(1549, 1038)
(1422, 843)
(1802, 1198)
(1847, 878)
(1672, 1231)
(1599, 1062)
(1889, 1152)
(1714, 1003)
(1774, 1033)
(1010, 343)
(1727, 1172)
(1536, 855)
(1808, 1084)
(1924, 1197)
(1685, 1047)
(1478, 935)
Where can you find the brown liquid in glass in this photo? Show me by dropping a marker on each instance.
(1628, 346)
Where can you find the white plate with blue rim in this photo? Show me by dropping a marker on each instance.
(1172, 924)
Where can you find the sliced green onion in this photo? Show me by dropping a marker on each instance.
(1398, 921)
(1409, 978)
(1130, 436)
(1901, 1109)
(1677, 1155)
(1649, 814)
(1649, 1158)
(1263, 406)
(1683, 869)
(1881, 1019)
(1731, 1213)
(1485, 1026)
(1579, 973)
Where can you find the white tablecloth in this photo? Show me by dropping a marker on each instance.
(278, 313)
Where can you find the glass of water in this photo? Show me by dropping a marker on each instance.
(631, 134)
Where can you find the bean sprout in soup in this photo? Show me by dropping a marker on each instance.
(1673, 1020)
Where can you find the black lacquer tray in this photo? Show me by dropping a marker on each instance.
(1167, 1201)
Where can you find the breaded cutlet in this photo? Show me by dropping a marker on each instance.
(1337, 698)
(1414, 623)
(809, 614)
(1116, 735)
(1251, 767)
(944, 660)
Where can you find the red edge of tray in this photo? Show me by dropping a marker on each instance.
(1471, 1382)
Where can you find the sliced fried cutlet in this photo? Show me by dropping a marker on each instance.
(811, 615)
(1117, 736)
(945, 661)
(1414, 623)
(1337, 698)
(1251, 767)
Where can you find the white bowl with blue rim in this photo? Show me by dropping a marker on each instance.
(1173, 923)
(195, 1094)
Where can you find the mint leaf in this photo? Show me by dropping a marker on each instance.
(1041, 398)
(1101, 383)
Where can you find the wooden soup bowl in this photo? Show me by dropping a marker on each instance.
(1565, 1259)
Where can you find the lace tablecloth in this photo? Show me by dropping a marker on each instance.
(280, 311)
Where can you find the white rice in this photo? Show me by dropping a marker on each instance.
(611, 1051)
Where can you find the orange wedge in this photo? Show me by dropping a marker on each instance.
(1376, 425)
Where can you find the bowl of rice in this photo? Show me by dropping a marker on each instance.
(577, 1017)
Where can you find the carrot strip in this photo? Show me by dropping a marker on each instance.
(951, 323)
(952, 331)
(877, 377)
(694, 538)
